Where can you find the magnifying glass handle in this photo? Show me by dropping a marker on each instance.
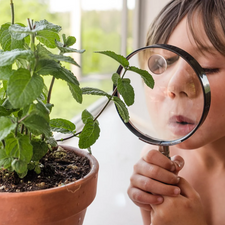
(165, 150)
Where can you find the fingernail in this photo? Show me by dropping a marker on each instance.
(179, 164)
(176, 191)
(178, 179)
(160, 199)
(173, 168)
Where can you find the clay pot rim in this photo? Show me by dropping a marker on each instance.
(94, 170)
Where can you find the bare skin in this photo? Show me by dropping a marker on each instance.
(196, 195)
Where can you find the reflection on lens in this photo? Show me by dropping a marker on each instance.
(157, 64)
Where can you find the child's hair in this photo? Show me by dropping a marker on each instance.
(210, 12)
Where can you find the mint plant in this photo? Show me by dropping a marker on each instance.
(26, 56)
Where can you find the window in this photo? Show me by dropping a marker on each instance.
(97, 26)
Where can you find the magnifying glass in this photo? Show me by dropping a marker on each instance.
(178, 104)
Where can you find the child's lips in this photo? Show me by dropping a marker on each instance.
(180, 125)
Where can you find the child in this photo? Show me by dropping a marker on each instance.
(197, 195)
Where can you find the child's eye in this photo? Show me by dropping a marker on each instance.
(172, 60)
(211, 70)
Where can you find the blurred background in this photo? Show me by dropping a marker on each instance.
(119, 26)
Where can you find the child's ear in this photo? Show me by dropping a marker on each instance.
(178, 162)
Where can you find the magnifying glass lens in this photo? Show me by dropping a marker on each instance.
(173, 110)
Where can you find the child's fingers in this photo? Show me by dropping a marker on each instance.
(187, 190)
(178, 162)
(155, 172)
(153, 186)
(157, 158)
(142, 198)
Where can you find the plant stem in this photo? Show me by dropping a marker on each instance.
(22, 129)
(29, 23)
(51, 85)
(22, 119)
(16, 130)
(12, 11)
(3, 143)
(67, 138)
(50, 90)
(114, 92)
(107, 103)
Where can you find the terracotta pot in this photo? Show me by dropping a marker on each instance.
(64, 205)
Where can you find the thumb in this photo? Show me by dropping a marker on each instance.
(178, 163)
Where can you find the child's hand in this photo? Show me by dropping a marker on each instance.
(184, 209)
(150, 179)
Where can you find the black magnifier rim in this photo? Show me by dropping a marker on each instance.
(204, 84)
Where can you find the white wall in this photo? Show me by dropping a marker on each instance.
(146, 11)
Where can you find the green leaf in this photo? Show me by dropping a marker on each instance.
(63, 58)
(121, 107)
(5, 72)
(20, 167)
(89, 134)
(9, 57)
(37, 169)
(44, 53)
(62, 126)
(40, 148)
(5, 160)
(94, 91)
(51, 141)
(66, 75)
(71, 40)
(146, 76)
(7, 104)
(22, 175)
(45, 25)
(119, 58)
(7, 40)
(19, 147)
(19, 32)
(86, 115)
(64, 38)
(64, 49)
(47, 67)
(32, 114)
(48, 37)
(4, 111)
(5, 37)
(51, 67)
(115, 78)
(6, 127)
(76, 92)
(23, 88)
(126, 90)
(37, 109)
(37, 125)
(43, 109)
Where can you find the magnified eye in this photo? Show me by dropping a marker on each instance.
(172, 60)
(157, 64)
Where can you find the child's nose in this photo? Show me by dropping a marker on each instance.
(183, 82)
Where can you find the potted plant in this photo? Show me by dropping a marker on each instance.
(40, 181)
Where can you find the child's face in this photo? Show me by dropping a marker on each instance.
(175, 104)
(214, 126)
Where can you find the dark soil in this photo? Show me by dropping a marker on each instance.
(60, 167)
